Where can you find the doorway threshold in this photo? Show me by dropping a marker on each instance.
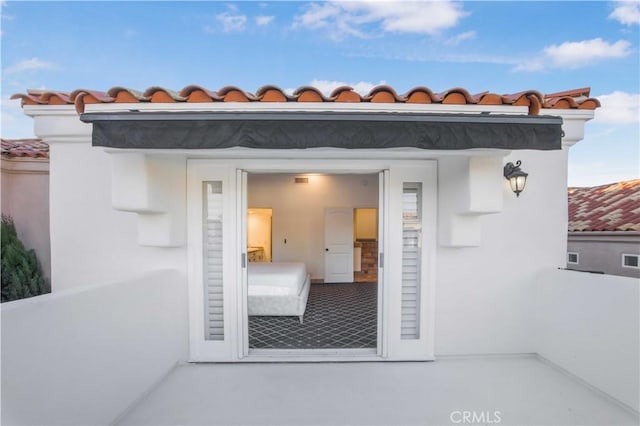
(313, 355)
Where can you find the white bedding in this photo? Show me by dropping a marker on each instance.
(271, 279)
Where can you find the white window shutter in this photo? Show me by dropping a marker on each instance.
(213, 244)
(411, 255)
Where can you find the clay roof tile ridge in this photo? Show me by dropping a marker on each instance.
(170, 93)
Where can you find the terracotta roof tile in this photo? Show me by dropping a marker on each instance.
(344, 94)
(272, 93)
(161, 95)
(383, 94)
(124, 95)
(419, 95)
(534, 100)
(33, 148)
(81, 97)
(195, 93)
(456, 96)
(614, 207)
(309, 94)
(487, 98)
(235, 94)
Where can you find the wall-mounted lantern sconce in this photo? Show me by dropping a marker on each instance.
(516, 177)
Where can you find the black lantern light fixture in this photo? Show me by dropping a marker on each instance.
(516, 177)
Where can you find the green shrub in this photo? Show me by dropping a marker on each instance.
(21, 272)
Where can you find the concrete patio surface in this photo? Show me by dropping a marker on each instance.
(516, 390)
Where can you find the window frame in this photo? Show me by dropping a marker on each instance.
(569, 262)
(637, 256)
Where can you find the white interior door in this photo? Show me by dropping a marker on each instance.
(338, 240)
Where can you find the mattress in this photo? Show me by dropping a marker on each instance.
(271, 279)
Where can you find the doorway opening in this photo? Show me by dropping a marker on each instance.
(365, 256)
(314, 283)
(259, 232)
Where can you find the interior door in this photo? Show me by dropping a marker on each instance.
(338, 240)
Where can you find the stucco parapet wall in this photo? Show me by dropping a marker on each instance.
(25, 165)
(573, 122)
(58, 123)
(606, 236)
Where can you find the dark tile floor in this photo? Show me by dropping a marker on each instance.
(338, 316)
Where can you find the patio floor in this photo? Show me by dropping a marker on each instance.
(522, 389)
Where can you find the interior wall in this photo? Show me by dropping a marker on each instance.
(366, 224)
(259, 230)
(298, 211)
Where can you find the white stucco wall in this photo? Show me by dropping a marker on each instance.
(483, 293)
(25, 197)
(90, 241)
(83, 356)
(589, 324)
(298, 211)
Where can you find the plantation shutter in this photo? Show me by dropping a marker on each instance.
(411, 255)
(213, 244)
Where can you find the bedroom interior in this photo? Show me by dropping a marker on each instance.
(286, 239)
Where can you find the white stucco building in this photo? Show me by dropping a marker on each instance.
(152, 189)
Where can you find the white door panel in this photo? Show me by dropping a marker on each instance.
(338, 240)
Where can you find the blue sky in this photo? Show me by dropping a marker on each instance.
(502, 47)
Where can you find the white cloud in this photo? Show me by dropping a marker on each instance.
(626, 12)
(459, 38)
(576, 54)
(28, 65)
(350, 18)
(263, 20)
(328, 86)
(580, 53)
(618, 108)
(232, 23)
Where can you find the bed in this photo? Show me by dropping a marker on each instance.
(278, 289)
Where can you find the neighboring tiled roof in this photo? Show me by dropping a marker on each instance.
(572, 99)
(34, 148)
(614, 207)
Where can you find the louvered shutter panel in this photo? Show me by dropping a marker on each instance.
(411, 254)
(214, 302)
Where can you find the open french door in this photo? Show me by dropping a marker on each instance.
(212, 262)
(217, 261)
(242, 309)
(411, 242)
